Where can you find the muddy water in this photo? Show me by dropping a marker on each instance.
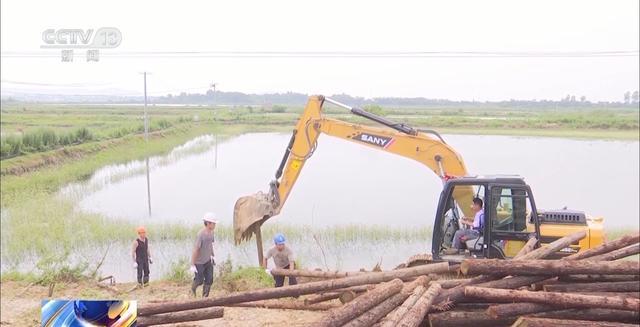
(344, 183)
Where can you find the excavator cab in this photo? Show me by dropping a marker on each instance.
(510, 218)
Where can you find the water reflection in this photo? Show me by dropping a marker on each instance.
(347, 183)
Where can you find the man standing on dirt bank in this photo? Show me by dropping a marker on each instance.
(282, 257)
(202, 260)
(141, 256)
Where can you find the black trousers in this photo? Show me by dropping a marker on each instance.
(143, 271)
(204, 275)
(280, 279)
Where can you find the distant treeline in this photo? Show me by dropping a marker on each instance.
(630, 100)
(298, 99)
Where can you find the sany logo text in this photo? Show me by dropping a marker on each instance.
(381, 141)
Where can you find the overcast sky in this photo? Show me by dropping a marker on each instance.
(499, 26)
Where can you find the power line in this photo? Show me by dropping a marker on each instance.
(338, 54)
(84, 85)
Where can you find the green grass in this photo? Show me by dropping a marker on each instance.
(179, 272)
(17, 276)
(36, 222)
(615, 233)
(242, 278)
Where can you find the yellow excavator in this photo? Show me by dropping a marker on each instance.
(511, 216)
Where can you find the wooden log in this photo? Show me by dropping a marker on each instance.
(314, 273)
(347, 296)
(381, 310)
(527, 248)
(474, 306)
(554, 246)
(318, 298)
(416, 314)
(499, 311)
(337, 294)
(396, 315)
(617, 254)
(545, 322)
(295, 290)
(598, 278)
(547, 267)
(467, 319)
(561, 300)
(539, 286)
(287, 305)
(454, 295)
(519, 281)
(449, 297)
(177, 317)
(593, 314)
(514, 282)
(633, 295)
(594, 287)
(358, 288)
(606, 247)
(342, 315)
(451, 283)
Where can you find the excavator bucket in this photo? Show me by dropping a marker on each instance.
(249, 213)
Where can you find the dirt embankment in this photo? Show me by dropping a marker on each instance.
(20, 304)
(35, 161)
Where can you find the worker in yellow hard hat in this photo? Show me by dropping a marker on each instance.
(141, 254)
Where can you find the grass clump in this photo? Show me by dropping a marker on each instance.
(18, 276)
(179, 272)
(42, 139)
(242, 279)
(50, 269)
(56, 268)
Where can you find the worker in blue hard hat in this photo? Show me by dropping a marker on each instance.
(282, 257)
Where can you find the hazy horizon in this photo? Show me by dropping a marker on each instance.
(546, 49)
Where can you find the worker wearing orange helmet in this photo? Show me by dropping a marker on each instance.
(141, 256)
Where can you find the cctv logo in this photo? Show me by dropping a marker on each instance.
(104, 37)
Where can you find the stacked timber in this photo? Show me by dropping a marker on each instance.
(381, 286)
(596, 287)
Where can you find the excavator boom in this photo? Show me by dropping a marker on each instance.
(426, 147)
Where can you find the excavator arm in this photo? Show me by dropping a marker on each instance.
(251, 211)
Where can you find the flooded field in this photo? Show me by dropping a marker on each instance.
(344, 183)
(351, 186)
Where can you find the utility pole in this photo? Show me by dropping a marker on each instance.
(213, 87)
(215, 160)
(146, 138)
(213, 112)
(146, 121)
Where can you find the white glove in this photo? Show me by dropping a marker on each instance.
(193, 269)
(268, 271)
(135, 265)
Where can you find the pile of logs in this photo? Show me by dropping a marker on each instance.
(592, 287)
